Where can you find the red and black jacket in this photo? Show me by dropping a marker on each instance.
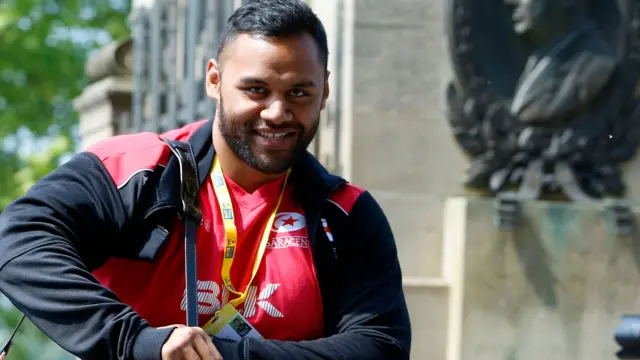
(74, 219)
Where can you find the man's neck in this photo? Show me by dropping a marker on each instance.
(245, 176)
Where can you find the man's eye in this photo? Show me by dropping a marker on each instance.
(298, 93)
(256, 90)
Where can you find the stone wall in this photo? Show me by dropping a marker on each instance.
(389, 74)
(555, 288)
(393, 135)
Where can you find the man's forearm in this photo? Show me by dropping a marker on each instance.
(63, 300)
(347, 346)
(49, 241)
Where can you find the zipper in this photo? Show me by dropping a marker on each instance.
(313, 226)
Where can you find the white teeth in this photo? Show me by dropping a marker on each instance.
(272, 135)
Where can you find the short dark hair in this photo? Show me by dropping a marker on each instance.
(275, 18)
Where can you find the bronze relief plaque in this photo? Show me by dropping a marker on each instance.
(544, 97)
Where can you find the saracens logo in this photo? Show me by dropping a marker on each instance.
(288, 222)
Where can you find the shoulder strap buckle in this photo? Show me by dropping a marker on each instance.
(190, 186)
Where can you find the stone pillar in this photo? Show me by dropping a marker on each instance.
(105, 105)
(387, 105)
(386, 129)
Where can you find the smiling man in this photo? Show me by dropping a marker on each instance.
(270, 91)
(293, 262)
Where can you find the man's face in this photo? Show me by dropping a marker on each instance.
(270, 93)
(530, 15)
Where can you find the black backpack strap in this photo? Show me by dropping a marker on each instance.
(190, 196)
(7, 346)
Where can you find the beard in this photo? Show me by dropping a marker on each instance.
(239, 136)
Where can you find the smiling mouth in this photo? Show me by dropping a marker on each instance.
(275, 135)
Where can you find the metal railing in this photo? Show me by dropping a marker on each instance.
(173, 40)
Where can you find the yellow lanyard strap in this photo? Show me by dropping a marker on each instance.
(231, 232)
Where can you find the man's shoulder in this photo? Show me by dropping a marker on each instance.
(127, 154)
(346, 196)
(126, 144)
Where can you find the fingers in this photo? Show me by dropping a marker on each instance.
(190, 354)
(207, 345)
(203, 349)
(2, 355)
(168, 326)
(189, 343)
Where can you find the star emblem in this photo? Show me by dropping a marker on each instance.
(290, 221)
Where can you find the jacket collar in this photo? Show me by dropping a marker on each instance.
(307, 172)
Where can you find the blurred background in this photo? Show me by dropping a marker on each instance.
(44, 45)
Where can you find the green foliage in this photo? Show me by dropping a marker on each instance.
(43, 48)
(30, 342)
(44, 45)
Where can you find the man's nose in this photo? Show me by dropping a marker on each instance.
(276, 111)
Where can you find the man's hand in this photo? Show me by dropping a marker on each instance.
(188, 343)
(2, 355)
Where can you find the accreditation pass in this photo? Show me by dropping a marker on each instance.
(230, 325)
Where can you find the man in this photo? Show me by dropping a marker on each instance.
(571, 63)
(240, 327)
(93, 254)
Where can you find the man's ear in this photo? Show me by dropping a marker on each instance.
(213, 80)
(325, 91)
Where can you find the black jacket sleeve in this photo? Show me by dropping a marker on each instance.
(374, 320)
(50, 240)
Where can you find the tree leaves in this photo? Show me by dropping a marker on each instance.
(43, 48)
(44, 45)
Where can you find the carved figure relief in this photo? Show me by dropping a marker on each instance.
(544, 96)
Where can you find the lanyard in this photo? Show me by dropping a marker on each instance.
(231, 232)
